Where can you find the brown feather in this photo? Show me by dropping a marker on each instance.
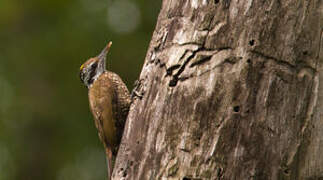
(109, 103)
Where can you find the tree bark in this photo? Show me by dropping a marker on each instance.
(230, 90)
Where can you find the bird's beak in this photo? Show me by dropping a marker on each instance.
(105, 51)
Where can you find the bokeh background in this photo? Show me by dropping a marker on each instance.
(46, 129)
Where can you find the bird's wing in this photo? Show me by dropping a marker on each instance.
(121, 103)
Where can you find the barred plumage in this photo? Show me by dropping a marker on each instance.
(109, 101)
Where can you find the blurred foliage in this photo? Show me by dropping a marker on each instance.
(46, 129)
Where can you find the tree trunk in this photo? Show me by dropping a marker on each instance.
(230, 90)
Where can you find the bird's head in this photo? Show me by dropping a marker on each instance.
(94, 67)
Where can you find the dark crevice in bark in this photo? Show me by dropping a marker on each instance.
(282, 62)
(173, 82)
(169, 71)
(201, 61)
(230, 61)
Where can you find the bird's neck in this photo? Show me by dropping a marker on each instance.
(95, 77)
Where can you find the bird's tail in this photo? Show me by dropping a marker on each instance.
(110, 162)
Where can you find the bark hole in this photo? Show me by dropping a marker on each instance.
(236, 108)
(252, 42)
(173, 82)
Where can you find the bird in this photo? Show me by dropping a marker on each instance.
(109, 101)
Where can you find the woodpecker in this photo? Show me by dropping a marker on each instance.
(109, 101)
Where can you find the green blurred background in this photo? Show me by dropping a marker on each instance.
(46, 129)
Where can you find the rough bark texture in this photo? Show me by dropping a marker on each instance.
(230, 90)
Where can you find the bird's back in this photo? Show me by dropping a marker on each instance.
(109, 102)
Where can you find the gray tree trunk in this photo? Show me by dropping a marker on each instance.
(231, 89)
